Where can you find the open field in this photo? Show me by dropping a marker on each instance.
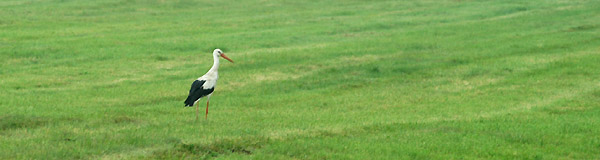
(447, 79)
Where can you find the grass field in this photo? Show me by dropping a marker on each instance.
(413, 79)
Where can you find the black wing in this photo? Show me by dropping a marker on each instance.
(197, 92)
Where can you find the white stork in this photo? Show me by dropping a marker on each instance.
(205, 85)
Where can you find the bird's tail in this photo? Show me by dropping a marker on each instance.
(188, 103)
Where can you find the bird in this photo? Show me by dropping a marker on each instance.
(205, 85)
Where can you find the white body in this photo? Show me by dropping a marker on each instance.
(212, 75)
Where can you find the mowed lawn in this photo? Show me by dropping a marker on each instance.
(333, 79)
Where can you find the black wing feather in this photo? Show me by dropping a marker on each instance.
(197, 92)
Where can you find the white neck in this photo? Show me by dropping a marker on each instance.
(215, 67)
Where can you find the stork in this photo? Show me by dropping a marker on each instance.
(205, 85)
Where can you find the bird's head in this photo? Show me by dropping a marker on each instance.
(220, 53)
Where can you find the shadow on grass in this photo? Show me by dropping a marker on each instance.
(215, 149)
(9, 122)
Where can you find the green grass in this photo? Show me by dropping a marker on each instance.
(448, 79)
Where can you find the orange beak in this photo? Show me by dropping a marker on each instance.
(227, 58)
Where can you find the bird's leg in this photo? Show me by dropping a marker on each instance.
(206, 115)
(197, 111)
